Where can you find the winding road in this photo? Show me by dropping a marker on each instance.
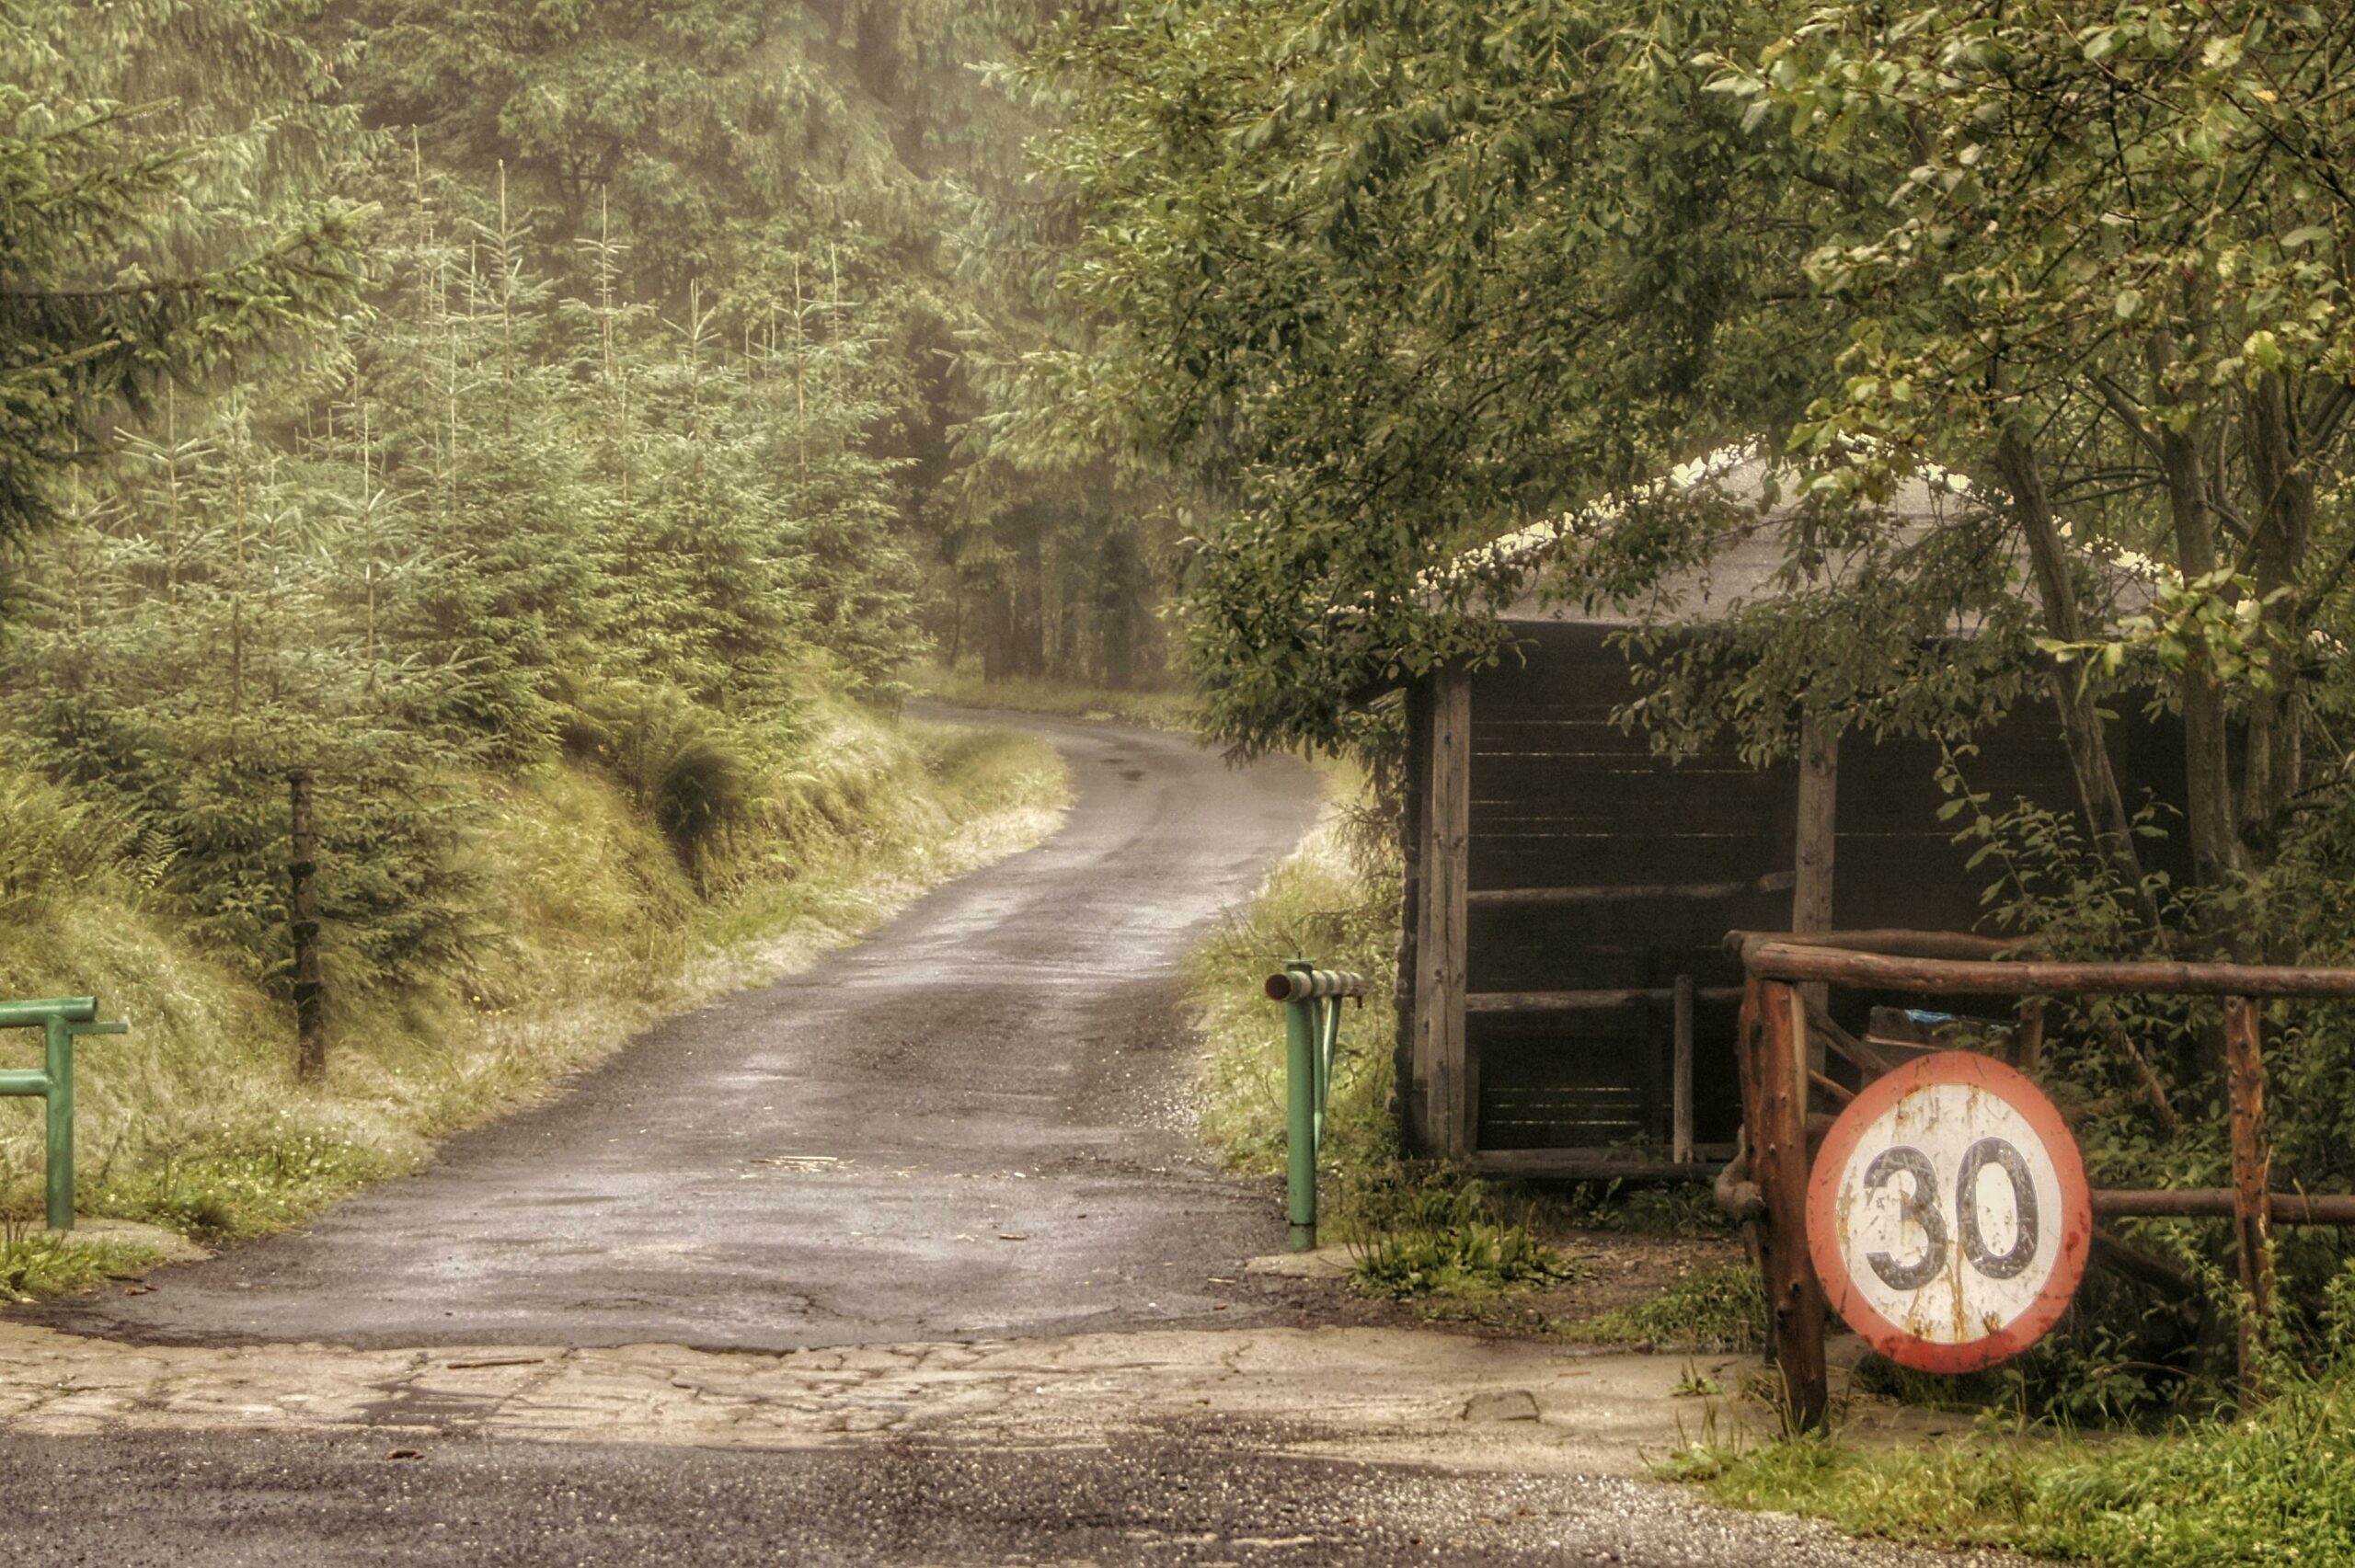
(973, 1123)
(946, 1182)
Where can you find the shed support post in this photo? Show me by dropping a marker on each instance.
(1819, 841)
(1680, 1085)
(1442, 1068)
(1778, 1164)
(2252, 1182)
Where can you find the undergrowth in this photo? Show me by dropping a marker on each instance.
(34, 1264)
(1439, 1236)
(2274, 1484)
(2276, 1487)
(1333, 902)
(1717, 1309)
(1037, 694)
(594, 922)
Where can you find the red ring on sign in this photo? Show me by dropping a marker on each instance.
(1970, 1070)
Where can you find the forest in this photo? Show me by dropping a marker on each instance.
(495, 420)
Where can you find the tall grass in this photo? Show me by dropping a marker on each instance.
(593, 924)
(1335, 903)
(2276, 1487)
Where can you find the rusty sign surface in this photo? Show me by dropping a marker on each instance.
(1948, 1217)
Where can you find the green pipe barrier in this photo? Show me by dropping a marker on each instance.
(60, 1020)
(1312, 999)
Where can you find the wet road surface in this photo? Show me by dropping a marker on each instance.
(974, 1123)
(1185, 1498)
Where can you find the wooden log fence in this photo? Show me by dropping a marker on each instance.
(1778, 1021)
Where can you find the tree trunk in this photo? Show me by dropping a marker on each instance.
(2081, 726)
(2283, 518)
(2215, 848)
(997, 631)
(310, 992)
(1029, 618)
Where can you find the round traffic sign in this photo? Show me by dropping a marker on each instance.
(1948, 1214)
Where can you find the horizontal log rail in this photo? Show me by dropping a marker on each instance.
(1888, 942)
(2221, 1203)
(1578, 1165)
(1629, 892)
(1588, 1001)
(1796, 961)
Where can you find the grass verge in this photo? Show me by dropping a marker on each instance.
(592, 929)
(1417, 1233)
(2276, 1487)
(34, 1264)
(1717, 1310)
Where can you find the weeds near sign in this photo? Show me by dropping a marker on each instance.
(1721, 1309)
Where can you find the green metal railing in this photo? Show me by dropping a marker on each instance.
(60, 1020)
(1312, 999)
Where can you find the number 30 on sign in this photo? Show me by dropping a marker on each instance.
(1948, 1214)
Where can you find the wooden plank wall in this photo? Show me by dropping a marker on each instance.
(1561, 798)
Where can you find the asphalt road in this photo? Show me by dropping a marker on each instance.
(1205, 1498)
(971, 1124)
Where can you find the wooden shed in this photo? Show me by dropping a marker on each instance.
(1567, 1005)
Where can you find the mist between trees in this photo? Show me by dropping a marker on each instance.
(407, 392)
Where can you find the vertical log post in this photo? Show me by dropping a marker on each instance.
(310, 999)
(1442, 946)
(1819, 841)
(2027, 1054)
(1778, 1162)
(1680, 1085)
(2252, 1179)
(1745, 1059)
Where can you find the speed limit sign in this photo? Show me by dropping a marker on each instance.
(1948, 1214)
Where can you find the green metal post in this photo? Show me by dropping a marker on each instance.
(58, 1058)
(1301, 1107)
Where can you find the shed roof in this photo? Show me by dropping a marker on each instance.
(1748, 552)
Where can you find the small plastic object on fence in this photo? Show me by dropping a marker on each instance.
(1312, 999)
(59, 1019)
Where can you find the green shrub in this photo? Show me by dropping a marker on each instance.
(1475, 1257)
